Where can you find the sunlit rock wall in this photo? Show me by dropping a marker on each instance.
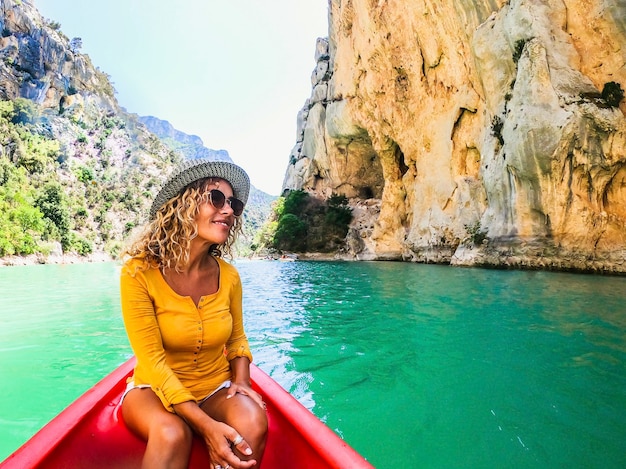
(471, 132)
(39, 63)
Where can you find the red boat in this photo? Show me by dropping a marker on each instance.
(90, 434)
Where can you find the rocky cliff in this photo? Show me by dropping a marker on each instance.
(41, 64)
(472, 133)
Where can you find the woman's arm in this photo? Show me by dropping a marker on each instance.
(237, 344)
(241, 384)
(240, 367)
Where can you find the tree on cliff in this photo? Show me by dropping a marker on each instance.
(301, 222)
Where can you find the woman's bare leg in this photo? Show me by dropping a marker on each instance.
(168, 436)
(245, 416)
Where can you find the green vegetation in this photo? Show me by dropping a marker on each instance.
(612, 93)
(21, 223)
(301, 222)
(496, 128)
(519, 49)
(291, 233)
(476, 233)
(255, 216)
(54, 206)
(22, 111)
(52, 201)
(23, 163)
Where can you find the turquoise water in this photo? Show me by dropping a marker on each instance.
(415, 366)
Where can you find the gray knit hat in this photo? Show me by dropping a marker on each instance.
(192, 170)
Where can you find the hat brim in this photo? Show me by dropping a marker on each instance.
(192, 170)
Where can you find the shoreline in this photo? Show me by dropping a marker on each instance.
(39, 259)
(505, 264)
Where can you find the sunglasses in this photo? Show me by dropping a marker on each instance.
(218, 199)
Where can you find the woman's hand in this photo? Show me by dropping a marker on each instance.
(246, 390)
(220, 440)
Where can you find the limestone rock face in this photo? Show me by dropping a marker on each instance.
(475, 133)
(39, 63)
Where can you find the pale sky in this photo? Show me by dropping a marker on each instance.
(233, 72)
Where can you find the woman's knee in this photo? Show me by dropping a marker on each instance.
(259, 421)
(170, 432)
(252, 424)
(169, 444)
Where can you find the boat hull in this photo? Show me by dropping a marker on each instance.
(90, 433)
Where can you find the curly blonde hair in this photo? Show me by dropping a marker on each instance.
(164, 242)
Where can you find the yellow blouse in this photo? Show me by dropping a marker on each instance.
(183, 350)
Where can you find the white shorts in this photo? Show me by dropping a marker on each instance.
(131, 385)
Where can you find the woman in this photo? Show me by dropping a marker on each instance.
(182, 308)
